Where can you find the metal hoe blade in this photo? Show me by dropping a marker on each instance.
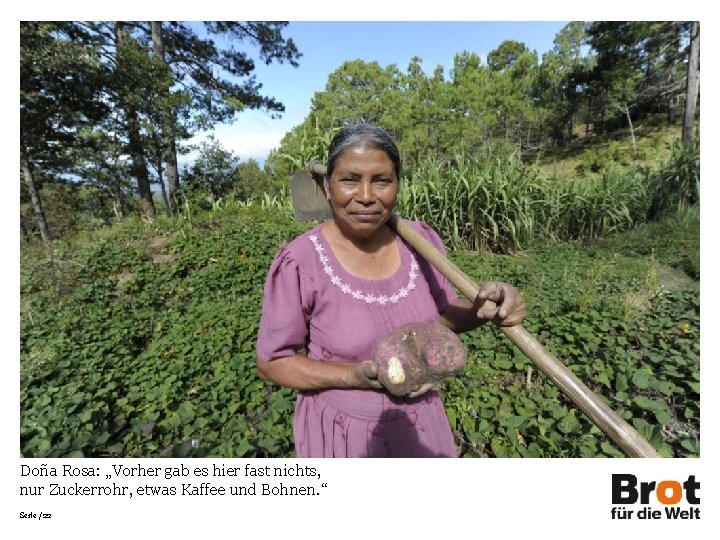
(308, 197)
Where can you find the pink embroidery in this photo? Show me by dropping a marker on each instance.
(357, 293)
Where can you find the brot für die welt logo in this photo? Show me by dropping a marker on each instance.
(655, 499)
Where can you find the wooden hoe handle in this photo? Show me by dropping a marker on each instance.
(624, 435)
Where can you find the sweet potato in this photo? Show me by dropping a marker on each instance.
(417, 353)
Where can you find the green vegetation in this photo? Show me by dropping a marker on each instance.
(495, 201)
(626, 325)
(565, 176)
(139, 341)
(600, 105)
(592, 153)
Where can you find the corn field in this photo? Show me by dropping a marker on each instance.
(497, 203)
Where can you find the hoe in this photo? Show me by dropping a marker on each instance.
(309, 203)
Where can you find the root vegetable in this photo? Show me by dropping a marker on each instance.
(418, 353)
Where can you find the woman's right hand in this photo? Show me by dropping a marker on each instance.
(302, 373)
(365, 375)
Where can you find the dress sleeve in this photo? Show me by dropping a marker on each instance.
(440, 286)
(285, 314)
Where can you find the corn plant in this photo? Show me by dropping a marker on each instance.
(487, 202)
(676, 186)
(494, 201)
(312, 144)
(599, 206)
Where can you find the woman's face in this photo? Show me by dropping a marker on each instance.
(362, 190)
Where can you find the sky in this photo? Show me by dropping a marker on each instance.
(326, 45)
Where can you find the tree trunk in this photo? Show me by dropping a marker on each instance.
(626, 110)
(168, 208)
(168, 127)
(159, 167)
(116, 182)
(671, 96)
(23, 228)
(139, 167)
(34, 197)
(171, 162)
(693, 85)
(117, 202)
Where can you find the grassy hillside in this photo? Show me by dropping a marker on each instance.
(591, 154)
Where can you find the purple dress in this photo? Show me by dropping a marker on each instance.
(312, 303)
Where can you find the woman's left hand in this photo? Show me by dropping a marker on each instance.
(510, 307)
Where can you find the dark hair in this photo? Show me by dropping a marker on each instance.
(363, 135)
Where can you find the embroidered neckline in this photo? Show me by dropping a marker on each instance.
(357, 293)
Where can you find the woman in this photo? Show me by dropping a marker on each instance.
(336, 290)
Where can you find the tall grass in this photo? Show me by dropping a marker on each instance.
(482, 203)
(597, 207)
(676, 186)
(496, 202)
(310, 144)
(493, 201)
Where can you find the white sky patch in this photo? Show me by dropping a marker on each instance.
(244, 145)
(247, 145)
(252, 135)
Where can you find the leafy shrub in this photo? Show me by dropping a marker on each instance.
(644, 364)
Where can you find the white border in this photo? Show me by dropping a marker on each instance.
(416, 498)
